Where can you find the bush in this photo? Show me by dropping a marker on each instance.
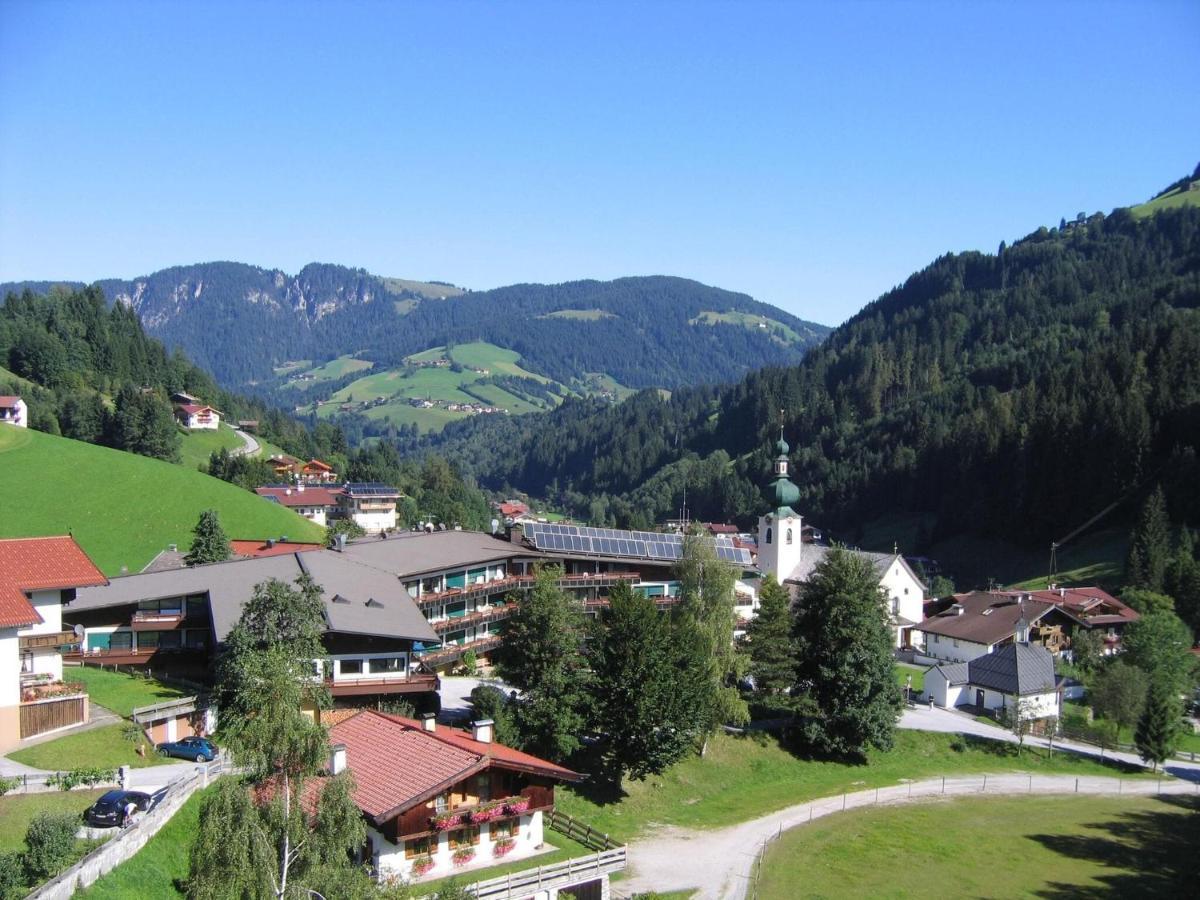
(89, 775)
(12, 876)
(6, 785)
(50, 844)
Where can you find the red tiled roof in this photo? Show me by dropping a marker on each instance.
(514, 508)
(260, 548)
(37, 564)
(317, 464)
(397, 763)
(310, 496)
(7, 402)
(192, 408)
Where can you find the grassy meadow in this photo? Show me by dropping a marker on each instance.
(122, 508)
(1064, 846)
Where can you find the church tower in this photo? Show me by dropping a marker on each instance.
(779, 539)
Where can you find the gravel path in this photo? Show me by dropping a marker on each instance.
(249, 446)
(719, 863)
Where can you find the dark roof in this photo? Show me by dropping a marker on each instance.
(986, 617)
(1014, 669)
(811, 556)
(418, 552)
(229, 584)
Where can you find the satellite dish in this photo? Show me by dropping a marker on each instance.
(495, 525)
(79, 631)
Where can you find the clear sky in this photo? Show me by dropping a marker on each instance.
(809, 155)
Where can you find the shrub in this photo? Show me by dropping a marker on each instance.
(6, 785)
(12, 876)
(50, 843)
(89, 775)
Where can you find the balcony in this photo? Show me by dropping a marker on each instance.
(520, 582)
(408, 684)
(419, 821)
(487, 614)
(130, 656)
(444, 655)
(154, 620)
(46, 641)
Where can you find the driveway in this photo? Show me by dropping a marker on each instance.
(249, 446)
(456, 692)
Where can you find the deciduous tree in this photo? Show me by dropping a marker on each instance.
(1118, 693)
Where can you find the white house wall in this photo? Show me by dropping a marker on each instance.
(905, 595)
(389, 858)
(46, 661)
(946, 649)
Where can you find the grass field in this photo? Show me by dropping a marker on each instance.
(293, 365)
(903, 671)
(18, 810)
(747, 320)
(104, 747)
(741, 778)
(123, 509)
(431, 290)
(1174, 200)
(992, 847)
(197, 446)
(496, 360)
(120, 691)
(155, 870)
(580, 315)
(329, 371)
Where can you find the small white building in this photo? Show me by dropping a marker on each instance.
(13, 411)
(996, 681)
(198, 417)
(317, 504)
(372, 506)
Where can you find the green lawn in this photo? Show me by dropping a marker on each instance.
(747, 320)
(903, 671)
(992, 847)
(580, 315)
(497, 360)
(742, 777)
(1178, 197)
(53, 485)
(105, 748)
(118, 691)
(152, 873)
(18, 810)
(197, 446)
(329, 371)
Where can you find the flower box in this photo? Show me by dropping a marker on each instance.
(446, 821)
(463, 855)
(421, 865)
(502, 847)
(517, 806)
(486, 812)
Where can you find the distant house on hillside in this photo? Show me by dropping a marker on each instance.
(14, 412)
(318, 504)
(312, 472)
(198, 418)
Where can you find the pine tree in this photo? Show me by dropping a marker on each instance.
(642, 703)
(1150, 545)
(209, 543)
(543, 659)
(769, 639)
(1155, 734)
(844, 651)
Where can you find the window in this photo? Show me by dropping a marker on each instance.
(147, 640)
(350, 666)
(464, 837)
(385, 665)
(121, 640)
(789, 535)
(196, 605)
(168, 639)
(441, 803)
(196, 638)
(482, 786)
(416, 847)
(505, 828)
(768, 535)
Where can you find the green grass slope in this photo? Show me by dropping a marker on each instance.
(196, 447)
(1184, 195)
(122, 508)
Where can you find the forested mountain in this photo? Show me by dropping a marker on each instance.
(240, 321)
(1007, 395)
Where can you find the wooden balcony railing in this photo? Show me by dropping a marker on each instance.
(152, 620)
(519, 582)
(50, 639)
(409, 684)
(455, 651)
(130, 656)
(487, 614)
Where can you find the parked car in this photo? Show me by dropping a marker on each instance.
(109, 810)
(198, 748)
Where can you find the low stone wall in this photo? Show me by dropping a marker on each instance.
(128, 842)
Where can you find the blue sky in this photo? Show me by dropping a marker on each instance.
(810, 155)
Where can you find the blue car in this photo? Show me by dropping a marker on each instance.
(196, 748)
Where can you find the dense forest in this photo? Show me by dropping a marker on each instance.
(1009, 395)
(240, 321)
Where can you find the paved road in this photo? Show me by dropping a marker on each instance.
(250, 446)
(456, 691)
(719, 863)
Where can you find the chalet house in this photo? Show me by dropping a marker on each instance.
(437, 799)
(197, 417)
(176, 620)
(371, 505)
(318, 504)
(290, 469)
(13, 411)
(37, 575)
(1018, 673)
(979, 622)
(788, 550)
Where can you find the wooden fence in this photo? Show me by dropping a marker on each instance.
(40, 716)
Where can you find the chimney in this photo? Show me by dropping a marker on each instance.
(481, 730)
(337, 759)
(429, 721)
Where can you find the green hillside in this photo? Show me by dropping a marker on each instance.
(123, 509)
(1183, 195)
(195, 447)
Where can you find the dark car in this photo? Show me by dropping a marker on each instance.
(197, 748)
(109, 810)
